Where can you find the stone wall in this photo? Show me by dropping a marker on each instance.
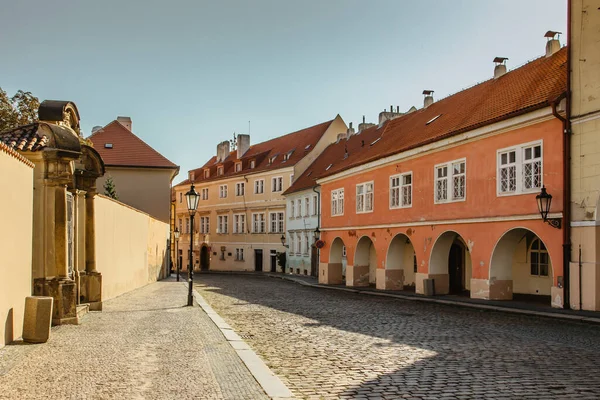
(131, 247)
(16, 202)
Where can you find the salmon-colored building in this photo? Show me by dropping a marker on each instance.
(443, 199)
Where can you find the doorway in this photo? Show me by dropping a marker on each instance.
(204, 258)
(273, 260)
(314, 261)
(456, 268)
(258, 259)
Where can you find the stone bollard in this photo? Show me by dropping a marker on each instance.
(37, 319)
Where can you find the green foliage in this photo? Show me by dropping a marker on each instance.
(281, 260)
(110, 189)
(20, 109)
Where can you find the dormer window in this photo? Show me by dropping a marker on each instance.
(327, 169)
(287, 155)
(219, 171)
(252, 164)
(272, 159)
(307, 147)
(238, 167)
(206, 173)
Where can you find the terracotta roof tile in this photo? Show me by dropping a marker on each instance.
(25, 138)
(533, 86)
(127, 150)
(299, 142)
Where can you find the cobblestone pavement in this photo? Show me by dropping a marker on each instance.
(144, 345)
(333, 344)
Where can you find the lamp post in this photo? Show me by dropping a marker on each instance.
(177, 233)
(192, 198)
(544, 200)
(317, 233)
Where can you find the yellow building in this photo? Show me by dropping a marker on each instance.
(584, 110)
(242, 213)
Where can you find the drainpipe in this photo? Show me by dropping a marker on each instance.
(318, 205)
(566, 169)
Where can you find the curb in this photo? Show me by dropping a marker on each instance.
(270, 383)
(577, 318)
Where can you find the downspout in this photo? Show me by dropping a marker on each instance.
(566, 169)
(318, 205)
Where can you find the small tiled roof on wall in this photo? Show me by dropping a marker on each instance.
(118, 146)
(528, 88)
(13, 153)
(294, 145)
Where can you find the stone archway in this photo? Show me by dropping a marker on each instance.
(520, 265)
(364, 270)
(332, 273)
(399, 265)
(450, 264)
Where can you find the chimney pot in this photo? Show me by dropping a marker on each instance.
(428, 100)
(500, 68)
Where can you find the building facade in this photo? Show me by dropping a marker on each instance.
(241, 216)
(142, 176)
(583, 133)
(302, 222)
(443, 199)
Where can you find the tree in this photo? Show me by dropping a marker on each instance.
(21, 109)
(110, 189)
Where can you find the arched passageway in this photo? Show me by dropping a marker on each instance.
(400, 265)
(333, 272)
(521, 266)
(364, 270)
(450, 264)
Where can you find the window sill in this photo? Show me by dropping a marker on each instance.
(450, 201)
(506, 194)
(364, 212)
(400, 207)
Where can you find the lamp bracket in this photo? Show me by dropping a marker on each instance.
(554, 222)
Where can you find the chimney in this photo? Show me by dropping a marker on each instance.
(553, 43)
(243, 144)
(500, 68)
(428, 100)
(222, 150)
(125, 121)
(96, 129)
(364, 125)
(350, 131)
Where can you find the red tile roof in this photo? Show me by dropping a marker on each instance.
(25, 138)
(533, 86)
(300, 142)
(127, 150)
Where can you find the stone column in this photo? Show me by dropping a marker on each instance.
(93, 286)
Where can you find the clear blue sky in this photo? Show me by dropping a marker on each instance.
(190, 73)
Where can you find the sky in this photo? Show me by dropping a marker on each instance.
(191, 73)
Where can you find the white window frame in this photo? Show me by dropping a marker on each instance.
(276, 219)
(238, 166)
(239, 223)
(299, 208)
(292, 242)
(291, 179)
(222, 191)
(187, 225)
(180, 225)
(364, 195)
(252, 164)
(206, 173)
(259, 222)
(259, 184)
(298, 243)
(337, 201)
(306, 206)
(292, 209)
(220, 171)
(242, 186)
(223, 224)
(277, 184)
(519, 163)
(204, 225)
(204, 193)
(400, 189)
(449, 179)
(239, 254)
(315, 207)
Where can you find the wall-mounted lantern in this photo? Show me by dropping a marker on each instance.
(544, 201)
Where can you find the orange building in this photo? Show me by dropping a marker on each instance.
(443, 199)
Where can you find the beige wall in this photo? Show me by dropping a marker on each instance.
(147, 189)
(523, 281)
(131, 247)
(16, 201)
(336, 127)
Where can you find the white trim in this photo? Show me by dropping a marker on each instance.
(586, 118)
(331, 202)
(497, 128)
(264, 220)
(585, 223)
(226, 191)
(448, 222)
(263, 185)
(281, 189)
(400, 195)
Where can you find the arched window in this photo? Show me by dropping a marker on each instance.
(538, 258)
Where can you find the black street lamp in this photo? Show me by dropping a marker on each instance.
(544, 200)
(192, 198)
(283, 241)
(317, 233)
(177, 266)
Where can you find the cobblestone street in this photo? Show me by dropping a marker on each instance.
(144, 345)
(335, 344)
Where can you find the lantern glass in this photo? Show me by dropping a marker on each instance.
(283, 240)
(544, 201)
(177, 233)
(317, 233)
(192, 198)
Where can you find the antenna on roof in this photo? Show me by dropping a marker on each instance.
(248, 127)
(233, 142)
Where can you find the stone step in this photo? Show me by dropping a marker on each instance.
(82, 309)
